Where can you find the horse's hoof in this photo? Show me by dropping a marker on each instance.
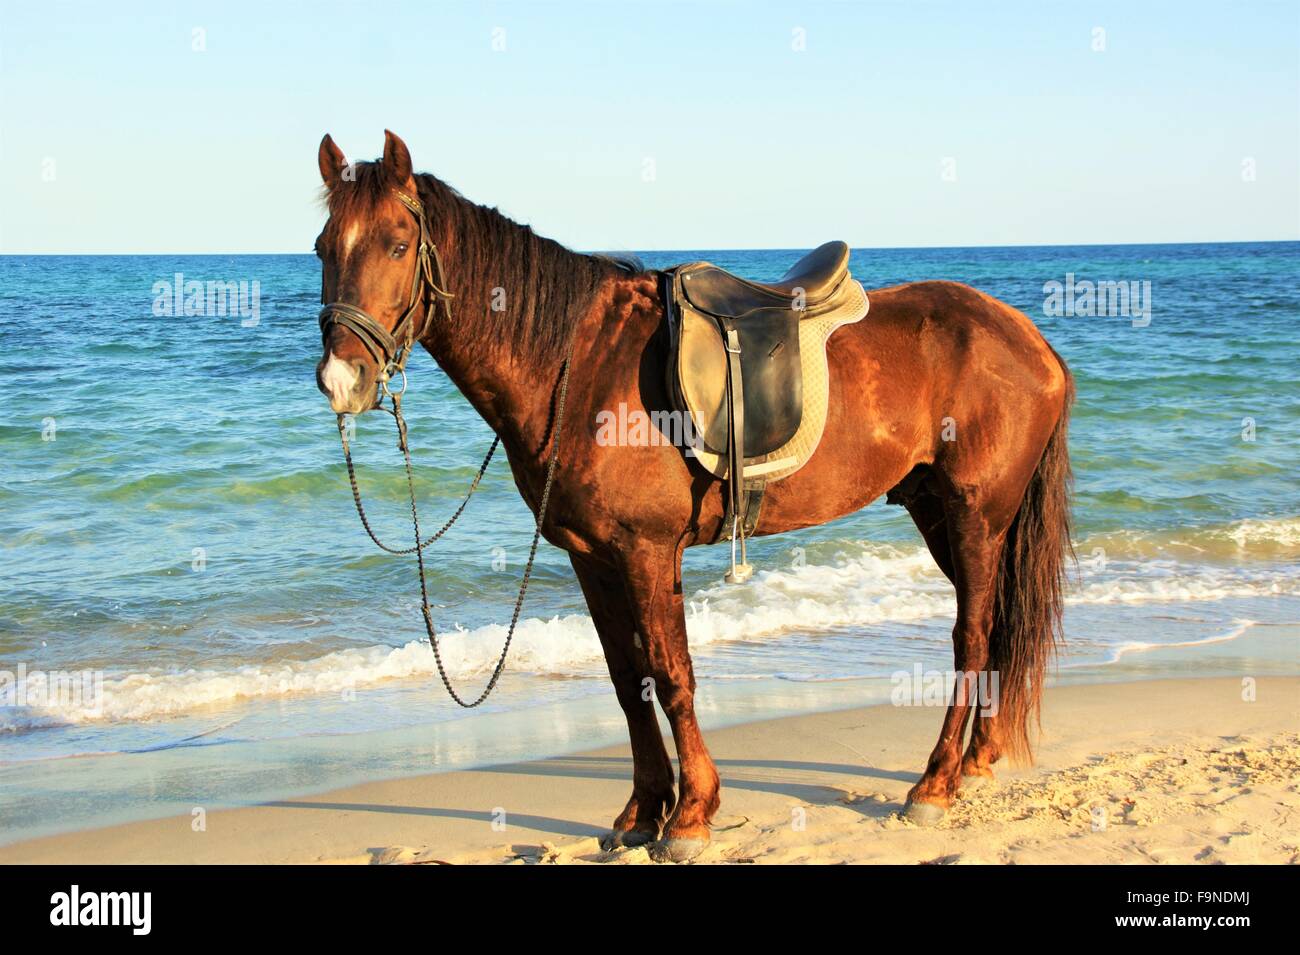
(677, 850)
(924, 814)
(976, 782)
(626, 839)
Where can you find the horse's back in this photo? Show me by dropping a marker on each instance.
(932, 365)
(952, 327)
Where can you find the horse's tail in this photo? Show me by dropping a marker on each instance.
(1027, 610)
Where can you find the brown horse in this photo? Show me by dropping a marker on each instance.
(947, 399)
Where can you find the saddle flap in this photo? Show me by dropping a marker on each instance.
(770, 366)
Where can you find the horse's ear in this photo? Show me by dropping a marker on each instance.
(332, 162)
(397, 158)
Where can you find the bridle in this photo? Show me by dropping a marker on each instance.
(391, 351)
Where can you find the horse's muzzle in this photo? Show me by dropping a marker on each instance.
(348, 384)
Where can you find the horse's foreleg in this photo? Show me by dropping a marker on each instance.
(653, 581)
(652, 771)
(975, 558)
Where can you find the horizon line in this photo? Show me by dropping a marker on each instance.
(765, 248)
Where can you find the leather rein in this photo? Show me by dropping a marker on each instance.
(391, 350)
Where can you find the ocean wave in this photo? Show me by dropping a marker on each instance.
(1119, 651)
(540, 646)
(1275, 539)
(864, 585)
(183, 487)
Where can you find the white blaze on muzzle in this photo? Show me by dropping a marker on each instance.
(340, 380)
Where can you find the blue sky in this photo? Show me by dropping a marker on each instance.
(627, 125)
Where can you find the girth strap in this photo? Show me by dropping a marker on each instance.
(736, 416)
(738, 494)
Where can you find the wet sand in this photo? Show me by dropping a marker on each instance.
(1178, 770)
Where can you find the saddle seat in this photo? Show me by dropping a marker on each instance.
(816, 277)
(748, 370)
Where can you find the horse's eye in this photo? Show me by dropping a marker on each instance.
(399, 250)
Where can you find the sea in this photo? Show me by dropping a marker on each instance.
(191, 614)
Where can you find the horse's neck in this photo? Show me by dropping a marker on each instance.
(509, 385)
(509, 391)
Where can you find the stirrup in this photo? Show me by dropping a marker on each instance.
(741, 572)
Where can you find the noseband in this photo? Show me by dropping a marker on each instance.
(390, 350)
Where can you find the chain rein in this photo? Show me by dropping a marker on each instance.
(361, 511)
(381, 343)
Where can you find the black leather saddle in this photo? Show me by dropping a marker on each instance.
(765, 320)
(737, 369)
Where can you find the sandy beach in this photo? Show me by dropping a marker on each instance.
(1200, 770)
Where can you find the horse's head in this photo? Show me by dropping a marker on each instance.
(376, 271)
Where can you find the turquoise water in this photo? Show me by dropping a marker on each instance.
(174, 515)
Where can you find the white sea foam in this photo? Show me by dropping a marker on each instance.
(866, 585)
(1121, 650)
(1252, 533)
(1249, 539)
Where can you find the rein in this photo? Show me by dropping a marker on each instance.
(392, 355)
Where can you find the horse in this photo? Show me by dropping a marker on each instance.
(945, 399)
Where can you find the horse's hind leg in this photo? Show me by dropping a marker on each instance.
(927, 511)
(983, 751)
(975, 551)
(652, 771)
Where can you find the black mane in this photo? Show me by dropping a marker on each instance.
(547, 287)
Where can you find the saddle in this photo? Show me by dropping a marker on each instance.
(747, 371)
